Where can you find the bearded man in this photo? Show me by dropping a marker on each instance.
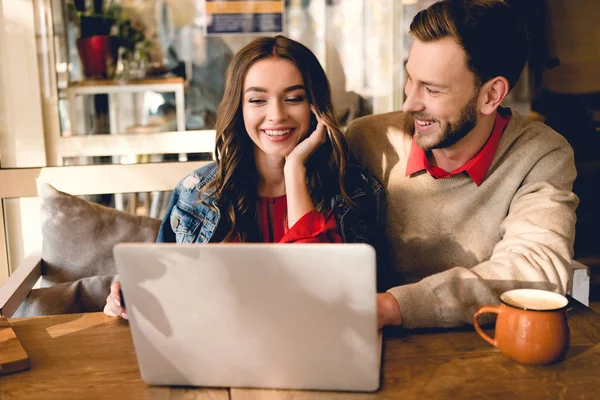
(479, 198)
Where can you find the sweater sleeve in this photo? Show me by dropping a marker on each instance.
(535, 251)
(313, 227)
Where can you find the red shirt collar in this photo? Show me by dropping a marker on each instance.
(477, 167)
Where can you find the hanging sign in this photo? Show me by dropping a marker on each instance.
(244, 16)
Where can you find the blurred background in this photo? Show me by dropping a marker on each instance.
(137, 81)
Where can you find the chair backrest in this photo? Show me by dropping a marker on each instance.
(76, 180)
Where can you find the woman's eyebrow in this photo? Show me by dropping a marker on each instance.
(256, 89)
(292, 88)
(263, 90)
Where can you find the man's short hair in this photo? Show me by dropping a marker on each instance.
(492, 34)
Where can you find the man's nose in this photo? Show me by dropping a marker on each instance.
(413, 101)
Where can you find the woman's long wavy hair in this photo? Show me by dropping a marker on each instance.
(235, 186)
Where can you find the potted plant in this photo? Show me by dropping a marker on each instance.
(97, 49)
(134, 48)
(109, 32)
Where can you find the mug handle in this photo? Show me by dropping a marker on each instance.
(483, 310)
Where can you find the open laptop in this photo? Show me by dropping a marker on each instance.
(289, 316)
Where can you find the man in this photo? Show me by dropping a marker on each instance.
(479, 198)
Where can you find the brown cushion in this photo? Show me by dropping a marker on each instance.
(77, 253)
(79, 236)
(83, 295)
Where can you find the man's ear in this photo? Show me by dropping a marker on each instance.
(492, 94)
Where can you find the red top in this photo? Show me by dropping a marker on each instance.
(313, 227)
(477, 167)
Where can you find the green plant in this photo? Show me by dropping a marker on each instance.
(93, 17)
(133, 39)
(106, 17)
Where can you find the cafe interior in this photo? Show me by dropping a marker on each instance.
(113, 101)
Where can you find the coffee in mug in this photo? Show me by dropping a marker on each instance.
(531, 327)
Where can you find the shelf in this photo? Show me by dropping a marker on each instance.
(109, 86)
(122, 82)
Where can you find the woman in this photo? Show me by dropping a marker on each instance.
(282, 172)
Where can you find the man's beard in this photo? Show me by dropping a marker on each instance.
(454, 131)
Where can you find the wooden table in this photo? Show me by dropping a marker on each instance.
(91, 356)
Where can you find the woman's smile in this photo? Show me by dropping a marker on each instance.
(278, 134)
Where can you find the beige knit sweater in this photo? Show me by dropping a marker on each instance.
(457, 246)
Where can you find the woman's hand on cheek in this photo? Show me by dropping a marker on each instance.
(304, 149)
(299, 201)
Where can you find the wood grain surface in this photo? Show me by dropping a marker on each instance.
(91, 356)
(84, 356)
(457, 364)
(12, 355)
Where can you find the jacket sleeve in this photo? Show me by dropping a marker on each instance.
(165, 232)
(535, 251)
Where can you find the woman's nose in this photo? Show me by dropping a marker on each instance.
(276, 112)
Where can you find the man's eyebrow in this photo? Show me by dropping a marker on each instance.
(429, 83)
(438, 85)
(263, 90)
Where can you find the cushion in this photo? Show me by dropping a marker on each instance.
(82, 295)
(77, 252)
(79, 236)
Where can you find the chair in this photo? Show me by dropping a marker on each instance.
(76, 269)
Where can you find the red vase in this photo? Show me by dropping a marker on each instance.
(98, 55)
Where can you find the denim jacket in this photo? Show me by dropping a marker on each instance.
(189, 221)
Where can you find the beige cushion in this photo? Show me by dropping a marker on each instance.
(78, 240)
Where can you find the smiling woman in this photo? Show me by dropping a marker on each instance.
(265, 126)
(276, 114)
(283, 173)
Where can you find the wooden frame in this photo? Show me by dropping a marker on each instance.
(18, 286)
(139, 143)
(21, 117)
(81, 180)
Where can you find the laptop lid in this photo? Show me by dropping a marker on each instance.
(291, 316)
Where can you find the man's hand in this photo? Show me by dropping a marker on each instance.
(388, 310)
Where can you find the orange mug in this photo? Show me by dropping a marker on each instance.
(531, 327)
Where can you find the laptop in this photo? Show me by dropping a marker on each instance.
(284, 316)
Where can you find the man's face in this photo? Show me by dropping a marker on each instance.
(441, 94)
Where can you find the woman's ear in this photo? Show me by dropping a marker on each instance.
(493, 93)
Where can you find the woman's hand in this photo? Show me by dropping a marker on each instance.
(114, 302)
(304, 149)
(299, 201)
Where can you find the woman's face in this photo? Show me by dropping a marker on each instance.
(275, 107)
